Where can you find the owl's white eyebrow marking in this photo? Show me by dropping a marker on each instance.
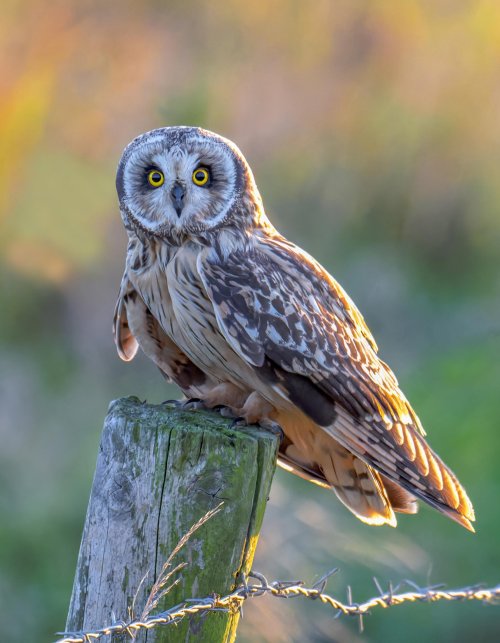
(178, 153)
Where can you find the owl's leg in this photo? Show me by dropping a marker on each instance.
(210, 396)
(256, 409)
(225, 398)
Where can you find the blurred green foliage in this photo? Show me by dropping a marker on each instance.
(373, 132)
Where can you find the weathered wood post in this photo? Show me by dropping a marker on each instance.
(159, 470)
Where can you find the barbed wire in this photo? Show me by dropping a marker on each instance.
(233, 602)
(288, 589)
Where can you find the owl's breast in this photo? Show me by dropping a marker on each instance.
(199, 335)
(147, 270)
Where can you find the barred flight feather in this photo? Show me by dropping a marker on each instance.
(363, 389)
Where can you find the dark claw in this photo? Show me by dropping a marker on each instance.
(223, 410)
(226, 412)
(176, 403)
(237, 423)
(265, 425)
(187, 405)
(274, 428)
(194, 404)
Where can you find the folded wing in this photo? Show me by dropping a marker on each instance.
(288, 318)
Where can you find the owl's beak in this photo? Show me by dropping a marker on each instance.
(177, 194)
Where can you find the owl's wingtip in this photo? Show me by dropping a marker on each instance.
(468, 525)
(462, 520)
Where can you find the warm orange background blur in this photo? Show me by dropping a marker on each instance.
(373, 130)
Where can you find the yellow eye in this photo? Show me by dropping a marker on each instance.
(156, 178)
(201, 176)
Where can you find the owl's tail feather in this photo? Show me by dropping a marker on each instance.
(373, 496)
(357, 485)
(409, 462)
(401, 500)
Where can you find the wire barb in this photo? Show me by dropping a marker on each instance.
(233, 602)
(285, 589)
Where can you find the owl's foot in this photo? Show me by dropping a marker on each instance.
(238, 423)
(175, 403)
(191, 404)
(225, 398)
(265, 423)
(225, 411)
(256, 409)
(258, 412)
(272, 427)
(225, 395)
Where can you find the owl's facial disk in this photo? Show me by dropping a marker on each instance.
(179, 181)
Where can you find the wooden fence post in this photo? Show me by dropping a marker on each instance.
(159, 470)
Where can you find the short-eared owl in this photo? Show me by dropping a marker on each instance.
(239, 316)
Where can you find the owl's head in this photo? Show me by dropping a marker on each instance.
(178, 182)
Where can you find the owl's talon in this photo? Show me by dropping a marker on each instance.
(193, 403)
(272, 427)
(237, 423)
(227, 412)
(223, 410)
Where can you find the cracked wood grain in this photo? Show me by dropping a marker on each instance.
(160, 469)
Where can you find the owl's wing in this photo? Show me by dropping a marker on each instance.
(134, 326)
(126, 343)
(288, 318)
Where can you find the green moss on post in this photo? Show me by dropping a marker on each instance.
(159, 470)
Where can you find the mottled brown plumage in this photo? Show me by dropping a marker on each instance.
(237, 315)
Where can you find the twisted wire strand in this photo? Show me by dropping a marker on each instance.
(286, 589)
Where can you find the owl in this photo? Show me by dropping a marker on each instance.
(241, 318)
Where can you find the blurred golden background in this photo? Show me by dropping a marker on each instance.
(373, 131)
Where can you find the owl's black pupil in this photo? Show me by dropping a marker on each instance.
(155, 177)
(200, 176)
